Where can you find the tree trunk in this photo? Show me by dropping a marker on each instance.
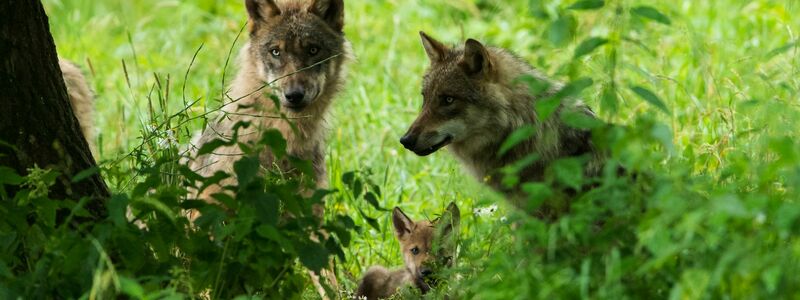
(37, 124)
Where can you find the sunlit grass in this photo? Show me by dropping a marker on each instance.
(715, 67)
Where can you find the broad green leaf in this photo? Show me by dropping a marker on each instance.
(267, 209)
(246, 170)
(608, 100)
(587, 4)
(561, 30)
(274, 139)
(569, 171)
(536, 85)
(518, 136)
(373, 200)
(589, 45)
(580, 120)
(347, 178)
(371, 221)
(8, 176)
(131, 288)
(313, 255)
(651, 13)
(651, 98)
(547, 106)
(117, 209)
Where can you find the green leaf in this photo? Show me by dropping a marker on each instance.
(246, 170)
(347, 178)
(547, 106)
(373, 200)
(85, 174)
(587, 5)
(117, 209)
(580, 120)
(371, 221)
(536, 85)
(209, 147)
(608, 100)
(313, 255)
(5, 272)
(274, 139)
(651, 13)
(561, 30)
(267, 209)
(569, 171)
(651, 98)
(518, 136)
(131, 288)
(589, 45)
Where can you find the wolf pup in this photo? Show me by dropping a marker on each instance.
(81, 99)
(299, 49)
(473, 100)
(426, 246)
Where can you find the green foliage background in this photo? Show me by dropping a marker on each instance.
(708, 91)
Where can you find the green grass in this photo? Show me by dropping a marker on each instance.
(728, 92)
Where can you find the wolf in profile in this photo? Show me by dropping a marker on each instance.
(473, 101)
(426, 247)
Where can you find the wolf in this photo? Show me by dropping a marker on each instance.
(290, 70)
(426, 246)
(473, 100)
(298, 49)
(81, 99)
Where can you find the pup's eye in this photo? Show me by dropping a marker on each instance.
(313, 50)
(449, 100)
(415, 250)
(276, 52)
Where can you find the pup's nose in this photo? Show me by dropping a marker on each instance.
(408, 141)
(295, 96)
(425, 272)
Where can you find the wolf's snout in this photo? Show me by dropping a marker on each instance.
(295, 97)
(426, 272)
(409, 141)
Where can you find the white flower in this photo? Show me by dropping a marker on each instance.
(485, 211)
(761, 218)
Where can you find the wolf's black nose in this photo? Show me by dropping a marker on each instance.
(295, 97)
(408, 141)
(425, 272)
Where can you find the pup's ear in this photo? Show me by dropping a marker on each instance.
(476, 58)
(332, 11)
(451, 218)
(435, 50)
(261, 10)
(402, 223)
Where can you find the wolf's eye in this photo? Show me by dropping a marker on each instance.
(415, 250)
(449, 100)
(276, 52)
(313, 50)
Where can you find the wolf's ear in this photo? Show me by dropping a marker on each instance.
(332, 11)
(402, 223)
(476, 58)
(451, 218)
(261, 10)
(435, 50)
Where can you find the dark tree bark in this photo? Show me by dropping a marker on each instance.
(36, 119)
